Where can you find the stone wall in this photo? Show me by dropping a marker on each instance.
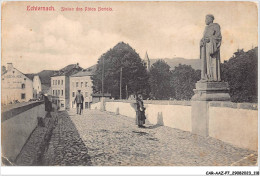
(171, 114)
(17, 125)
(234, 123)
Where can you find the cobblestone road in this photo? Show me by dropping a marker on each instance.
(104, 139)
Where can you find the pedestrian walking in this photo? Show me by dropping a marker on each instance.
(79, 99)
(140, 113)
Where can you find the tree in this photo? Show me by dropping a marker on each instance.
(240, 71)
(159, 80)
(183, 79)
(134, 74)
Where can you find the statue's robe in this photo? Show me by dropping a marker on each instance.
(210, 53)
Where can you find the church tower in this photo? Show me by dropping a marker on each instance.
(147, 61)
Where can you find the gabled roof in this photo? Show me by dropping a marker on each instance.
(82, 73)
(68, 70)
(30, 75)
(86, 72)
(92, 69)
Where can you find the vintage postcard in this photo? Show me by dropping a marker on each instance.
(99, 83)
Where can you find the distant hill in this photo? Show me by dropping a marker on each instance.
(45, 76)
(195, 63)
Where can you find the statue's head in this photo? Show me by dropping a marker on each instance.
(209, 19)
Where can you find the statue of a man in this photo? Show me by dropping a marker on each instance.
(210, 51)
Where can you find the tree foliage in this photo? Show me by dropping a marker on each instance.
(134, 74)
(240, 71)
(159, 80)
(183, 81)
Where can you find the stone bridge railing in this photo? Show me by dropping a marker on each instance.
(18, 122)
(234, 123)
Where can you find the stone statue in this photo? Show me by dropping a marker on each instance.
(210, 51)
(210, 87)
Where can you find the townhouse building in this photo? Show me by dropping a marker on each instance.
(15, 86)
(81, 81)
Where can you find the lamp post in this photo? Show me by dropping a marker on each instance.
(103, 67)
(102, 99)
(121, 69)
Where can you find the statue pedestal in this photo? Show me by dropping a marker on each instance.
(211, 91)
(204, 93)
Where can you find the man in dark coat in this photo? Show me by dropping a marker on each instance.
(79, 99)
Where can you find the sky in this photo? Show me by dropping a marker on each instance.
(49, 40)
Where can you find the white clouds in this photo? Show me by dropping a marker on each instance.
(164, 29)
(58, 41)
(64, 28)
(18, 38)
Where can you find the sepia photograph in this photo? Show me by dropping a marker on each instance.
(149, 83)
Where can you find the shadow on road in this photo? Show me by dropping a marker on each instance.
(66, 147)
(154, 126)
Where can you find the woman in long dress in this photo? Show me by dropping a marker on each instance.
(140, 113)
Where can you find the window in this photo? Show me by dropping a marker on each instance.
(23, 86)
(77, 84)
(53, 92)
(58, 92)
(25, 79)
(23, 96)
(86, 84)
(86, 94)
(61, 92)
(61, 82)
(81, 84)
(62, 105)
(73, 94)
(58, 82)
(55, 82)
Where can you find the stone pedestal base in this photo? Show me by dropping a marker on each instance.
(204, 93)
(200, 118)
(211, 91)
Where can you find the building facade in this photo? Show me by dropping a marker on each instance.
(15, 86)
(81, 81)
(60, 91)
(60, 85)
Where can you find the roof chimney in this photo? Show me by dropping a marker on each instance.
(9, 66)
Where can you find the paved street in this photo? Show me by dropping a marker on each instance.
(105, 139)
